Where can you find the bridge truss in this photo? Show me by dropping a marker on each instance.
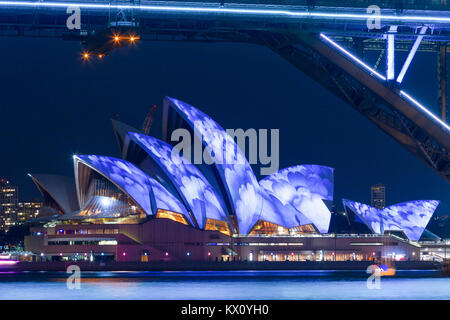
(327, 40)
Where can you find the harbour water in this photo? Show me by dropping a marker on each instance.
(204, 285)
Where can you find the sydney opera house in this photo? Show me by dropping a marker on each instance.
(151, 206)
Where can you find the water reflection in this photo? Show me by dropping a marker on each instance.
(224, 285)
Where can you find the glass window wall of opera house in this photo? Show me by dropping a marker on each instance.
(152, 206)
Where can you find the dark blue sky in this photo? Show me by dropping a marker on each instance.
(52, 106)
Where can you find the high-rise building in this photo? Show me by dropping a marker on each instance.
(9, 196)
(378, 196)
(28, 210)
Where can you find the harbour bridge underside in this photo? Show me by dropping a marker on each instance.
(326, 41)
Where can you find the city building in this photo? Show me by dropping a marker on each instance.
(28, 210)
(157, 205)
(378, 196)
(9, 199)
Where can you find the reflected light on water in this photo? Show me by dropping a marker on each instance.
(252, 285)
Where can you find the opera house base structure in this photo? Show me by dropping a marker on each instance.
(150, 206)
(169, 241)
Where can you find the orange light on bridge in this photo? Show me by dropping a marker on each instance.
(85, 55)
(133, 38)
(116, 38)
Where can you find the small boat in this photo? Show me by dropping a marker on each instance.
(387, 270)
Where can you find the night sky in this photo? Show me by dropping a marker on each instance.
(53, 106)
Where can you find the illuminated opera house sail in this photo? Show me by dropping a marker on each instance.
(157, 201)
(59, 193)
(223, 195)
(293, 198)
(411, 217)
(185, 179)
